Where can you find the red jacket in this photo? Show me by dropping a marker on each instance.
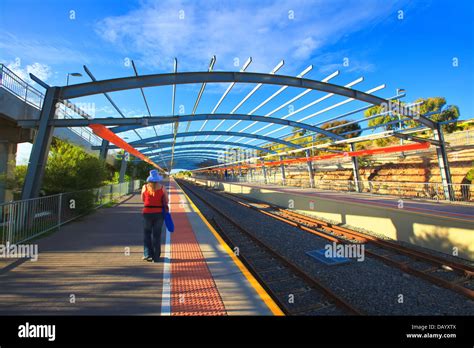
(153, 203)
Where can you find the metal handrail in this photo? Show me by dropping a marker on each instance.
(13, 83)
(32, 96)
(24, 220)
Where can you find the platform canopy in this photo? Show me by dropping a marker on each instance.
(232, 123)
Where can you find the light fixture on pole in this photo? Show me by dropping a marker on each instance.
(75, 74)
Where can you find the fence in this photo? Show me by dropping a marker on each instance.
(414, 190)
(460, 138)
(26, 219)
(11, 82)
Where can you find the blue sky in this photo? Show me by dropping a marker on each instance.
(403, 44)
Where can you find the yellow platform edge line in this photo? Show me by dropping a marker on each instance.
(266, 298)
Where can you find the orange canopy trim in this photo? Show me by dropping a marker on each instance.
(105, 133)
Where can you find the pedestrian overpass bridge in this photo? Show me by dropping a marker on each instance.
(20, 101)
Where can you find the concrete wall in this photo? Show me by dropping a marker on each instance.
(13, 108)
(434, 232)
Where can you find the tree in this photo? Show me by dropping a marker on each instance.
(142, 169)
(382, 119)
(70, 168)
(15, 182)
(447, 112)
(353, 128)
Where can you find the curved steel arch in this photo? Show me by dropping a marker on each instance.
(193, 153)
(183, 156)
(188, 164)
(191, 159)
(188, 150)
(161, 145)
(245, 135)
(197, 148)
(157, 120)
(190, 156)
(134, 82)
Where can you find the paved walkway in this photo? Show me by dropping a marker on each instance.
(193, 290)
(91, 266)
(94, 266)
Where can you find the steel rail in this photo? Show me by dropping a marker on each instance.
(300, 220)
(342, 303)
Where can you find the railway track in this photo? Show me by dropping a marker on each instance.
(296, 292)
(452, 275)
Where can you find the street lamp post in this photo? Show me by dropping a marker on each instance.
(400, 91)
(72, 74)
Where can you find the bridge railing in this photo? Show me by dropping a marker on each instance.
(24, 220)
(30, 95)
(85, 133)
(15, 85)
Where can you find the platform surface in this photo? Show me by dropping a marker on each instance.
(94, 266)
(461, 211)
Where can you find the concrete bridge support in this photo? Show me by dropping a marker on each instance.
(10, 136)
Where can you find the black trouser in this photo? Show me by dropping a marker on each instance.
(153, 223)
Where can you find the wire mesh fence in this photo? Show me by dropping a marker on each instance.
(26, 219)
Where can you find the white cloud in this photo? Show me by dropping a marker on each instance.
(305, 48)
(44, 50)
(42, 71)
(262, 30)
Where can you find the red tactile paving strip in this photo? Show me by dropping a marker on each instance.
(193, 291)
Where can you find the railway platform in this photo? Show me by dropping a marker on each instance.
(461, 211)
(94, 266)
(446, 228)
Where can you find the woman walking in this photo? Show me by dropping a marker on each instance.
(155, 199)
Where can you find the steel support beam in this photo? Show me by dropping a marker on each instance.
(133, 82)
(123, 169)
(310, 170)
(443, 163)
(282, 169)
(192, 156)
(134, 173)
(133, 123)
(416, 139)
(229, 88)
(355, 169)
(254, 136)
(41, 145)
(163, 145)
(196, 153)
(264, 170)
(104, 148)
